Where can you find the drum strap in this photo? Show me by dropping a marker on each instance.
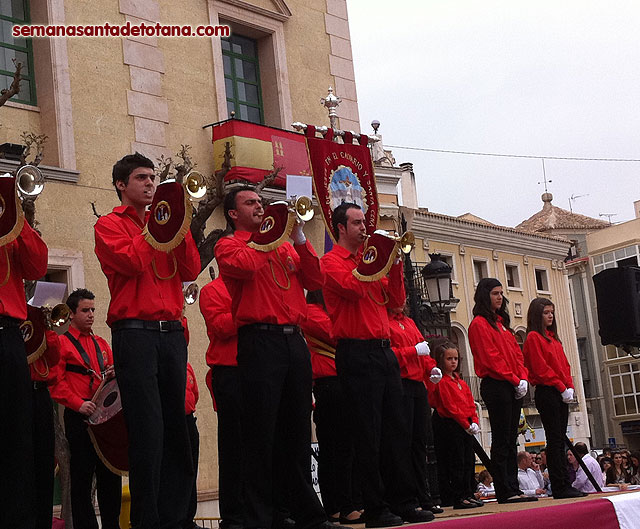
(85, 356)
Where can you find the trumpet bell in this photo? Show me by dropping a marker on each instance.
(191, 293)
(30, 181)
(59, 315)
(304, 209)
(407, 242)
(196, 185)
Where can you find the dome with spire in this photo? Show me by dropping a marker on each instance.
(552, 218)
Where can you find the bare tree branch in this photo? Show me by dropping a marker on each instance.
(14, 89)
(268, 180)
(29, 139)
(95, 212)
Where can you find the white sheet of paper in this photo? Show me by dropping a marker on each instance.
(299, 186)
(48, 293)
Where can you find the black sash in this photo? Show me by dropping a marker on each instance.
(85, 356)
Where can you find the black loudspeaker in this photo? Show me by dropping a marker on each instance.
(618, 299)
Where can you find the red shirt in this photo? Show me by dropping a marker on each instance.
(358, 309)
(317, 331)
(546, 362)
(452, 398)
(496, 353)
(72, 389)
(191, 394)
(23, 258)
(215, 306)
(145, 283)
(404, 337)
(44, 368)
(267, 287)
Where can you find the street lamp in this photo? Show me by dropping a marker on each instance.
(437, 278)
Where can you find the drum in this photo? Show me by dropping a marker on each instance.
(108, 430)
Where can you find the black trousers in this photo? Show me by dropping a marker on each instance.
(339, 485)
(84, 464)
(370, 379)
(17, 501)
(43, 446)
(151, 371)
(225, 382)
(194, 439)
(555, 416)
(504, 415)
(418, 413)
(456, 460)
(275, 377)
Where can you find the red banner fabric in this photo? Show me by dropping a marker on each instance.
(343, 173)
(11, 215)
(255, 149)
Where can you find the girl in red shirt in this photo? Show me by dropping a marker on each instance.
(549, 371)
(499, 363)
(455, 420)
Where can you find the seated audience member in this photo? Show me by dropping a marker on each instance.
(617, 475)
(605, 464)
(582, 482)
(530, 478)
(572, 466)
(485, 485)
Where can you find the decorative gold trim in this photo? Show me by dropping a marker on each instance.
(6, 278)
(291, 219)
(180, 234)
(42, 374)
(273, 274)
(381, 303)
(162, 203)
(155, 270)
(385, 270)
(38, 352)
(106, 462)
(326, 349)
(17, 228)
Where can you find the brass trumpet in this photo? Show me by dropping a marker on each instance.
(406, 241)
(196, 184)
(29, 181)
(302, 207)
(56, 316)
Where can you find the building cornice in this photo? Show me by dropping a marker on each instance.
(49, 172)
(433, 226)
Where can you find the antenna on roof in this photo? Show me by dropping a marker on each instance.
(608, 215)
(572, 199)
(544, 175)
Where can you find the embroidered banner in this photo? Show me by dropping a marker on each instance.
(255, 149)
(170, 217)
(343, 173)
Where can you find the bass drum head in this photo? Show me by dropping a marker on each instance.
(108, 403)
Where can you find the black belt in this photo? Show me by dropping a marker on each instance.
(270, 327)
(162, 326)
(79, 369)
(367, 343)
(40, 385)
(8, 321)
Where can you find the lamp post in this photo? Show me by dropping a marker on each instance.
(434, 313)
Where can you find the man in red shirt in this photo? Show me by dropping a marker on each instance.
(369, 373)
(23, 258)
(268, 305)
(150, 351)
(215, 305)
(85, 359)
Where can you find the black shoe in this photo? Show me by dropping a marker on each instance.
(570, 493)
(465, 504)
(478, 502)
(416, 516)
(329, 525)
(518, 499)
(384, 519)
(333, 519)
(436, 509)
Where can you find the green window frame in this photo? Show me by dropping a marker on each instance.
(21, 48)
(242, 78)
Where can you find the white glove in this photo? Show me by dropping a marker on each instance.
(422, 349)
(297, 234)
(473, 429)
(382, 232)
(521, 389)
(567, 395)
(436, 375)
